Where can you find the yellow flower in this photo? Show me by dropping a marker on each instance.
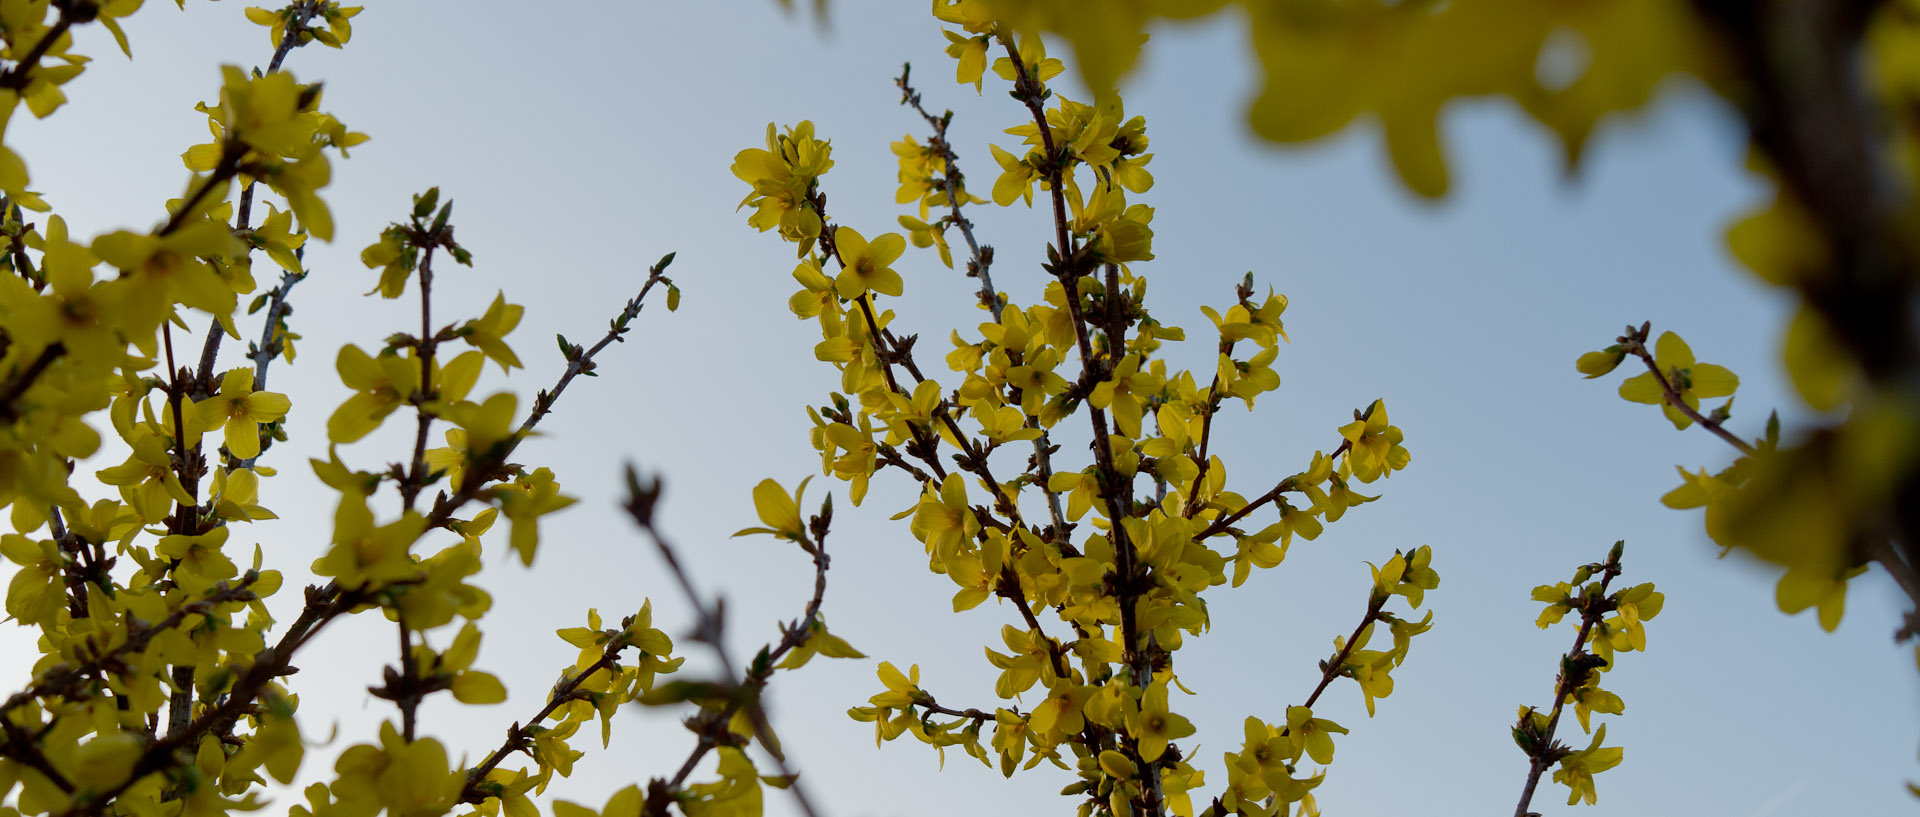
(1578, 768)
(523, 503)
(1312, 735)
(163, 270)
(488, 333)
(147, 480)
(73, 311)
(241, 411)
(488, 425)
(1033, 54)
(1016, 180)
(867, 266)
(199, 562)
(275, 235)
(780, 513)
(903, 690)
(1690, 379)
(36, 592)
(972, 55)
(383, 384)
(363, 554)
(1374, 448)
(469, 686)
(405, 778)
(1154, 725)
(817, 298)
(943, 520)
(925, 235)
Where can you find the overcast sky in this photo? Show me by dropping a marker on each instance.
(581, 142)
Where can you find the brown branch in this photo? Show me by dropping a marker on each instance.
(416, 477)
(950, 182)
(1203, 460)
(17, 385)
(270, 345)
(927, 702)
(20, 75)
(303, 12)
(519, 736)
(409, 698)
(1333, 670)
(23, 748)
(228, 168)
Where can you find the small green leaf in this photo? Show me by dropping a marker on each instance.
(424, 203)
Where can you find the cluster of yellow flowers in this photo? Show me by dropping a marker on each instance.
(1608, 623)
(156, 692)
(1126, 583)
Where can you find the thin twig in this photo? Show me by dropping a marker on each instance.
(584, 362)
(951, 183)
(1333, 670)
(709, 629)
(518, 735)
(979, 260)
(1223, 523)
(416, 477)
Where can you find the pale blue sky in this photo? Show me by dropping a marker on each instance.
(582, 142)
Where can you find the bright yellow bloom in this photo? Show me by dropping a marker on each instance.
(489, 332)
(1578, 768)
(523, 503)
(943, 519)
(1033, 55)
(383, 384)
(365, 555)
(867, 266)
(1374, 448)
(1017, 177)
(239, 411)
(1155, 725)
(903, 690)
(199, 562)
(147, 480)
(163, 270)
(1312, 735)
(1690, 379)
(780, 512)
